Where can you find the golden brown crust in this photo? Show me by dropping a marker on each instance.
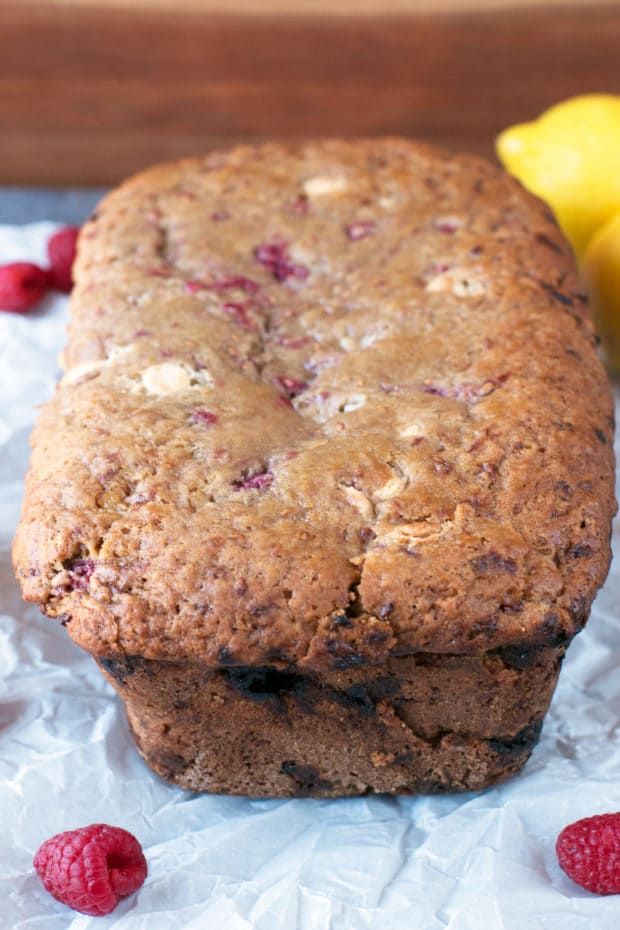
(347, 380)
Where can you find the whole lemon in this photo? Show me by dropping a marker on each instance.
(570, 157)
(600, 269)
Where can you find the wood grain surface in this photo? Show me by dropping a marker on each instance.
(89, 94)
(353, 8)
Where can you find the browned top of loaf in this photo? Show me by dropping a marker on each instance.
(321, 402)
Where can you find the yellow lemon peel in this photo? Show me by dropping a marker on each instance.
(601, 274)
(570, 157)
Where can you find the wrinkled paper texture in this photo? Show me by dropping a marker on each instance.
(469, 862)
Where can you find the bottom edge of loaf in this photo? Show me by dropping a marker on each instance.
(462, 765)
(421, 724)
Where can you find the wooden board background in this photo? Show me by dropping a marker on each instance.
(353, 8)
(91, 91)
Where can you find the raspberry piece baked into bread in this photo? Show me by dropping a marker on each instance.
(326, 487)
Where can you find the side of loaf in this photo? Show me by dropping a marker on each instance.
(327, 484)
(417, 724)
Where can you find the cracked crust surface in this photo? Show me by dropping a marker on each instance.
(321, 404)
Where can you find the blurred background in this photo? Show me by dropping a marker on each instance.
(93, 90)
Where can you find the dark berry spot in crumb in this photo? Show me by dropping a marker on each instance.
(187, 193)
(551, 631)
(366, 533)
(342, 621)
(307, 777)
(218, 216)
(80, 571)
(259, 609)
(169, 760)
(492, 561)
(556, 295)
(356, 698)
(298, 343)
(238, 281)
(522, 744)
(442, 467)
(290, 387)
(121, 669)
(600, 435)
(519, 655)
(563, 489)
(514, 607)
(581, 552)
(160, 271)
(578, 609)
(254, 482)
(240, 313)
(437, 390)
(544, 239)
(274, 256)
(343, 654)
(447, 226)
(264, 682)
(561, 298)
(224, 655)
(204, 418)
(301, 205)
(360, 229)
(436, 268)
(466, 391)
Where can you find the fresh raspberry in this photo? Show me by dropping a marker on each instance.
(92, 868)
(22, 285)
(61, 254)
(589, 853)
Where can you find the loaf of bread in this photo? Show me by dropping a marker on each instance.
(326, 486)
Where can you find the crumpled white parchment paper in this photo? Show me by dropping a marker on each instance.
(469, 862)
